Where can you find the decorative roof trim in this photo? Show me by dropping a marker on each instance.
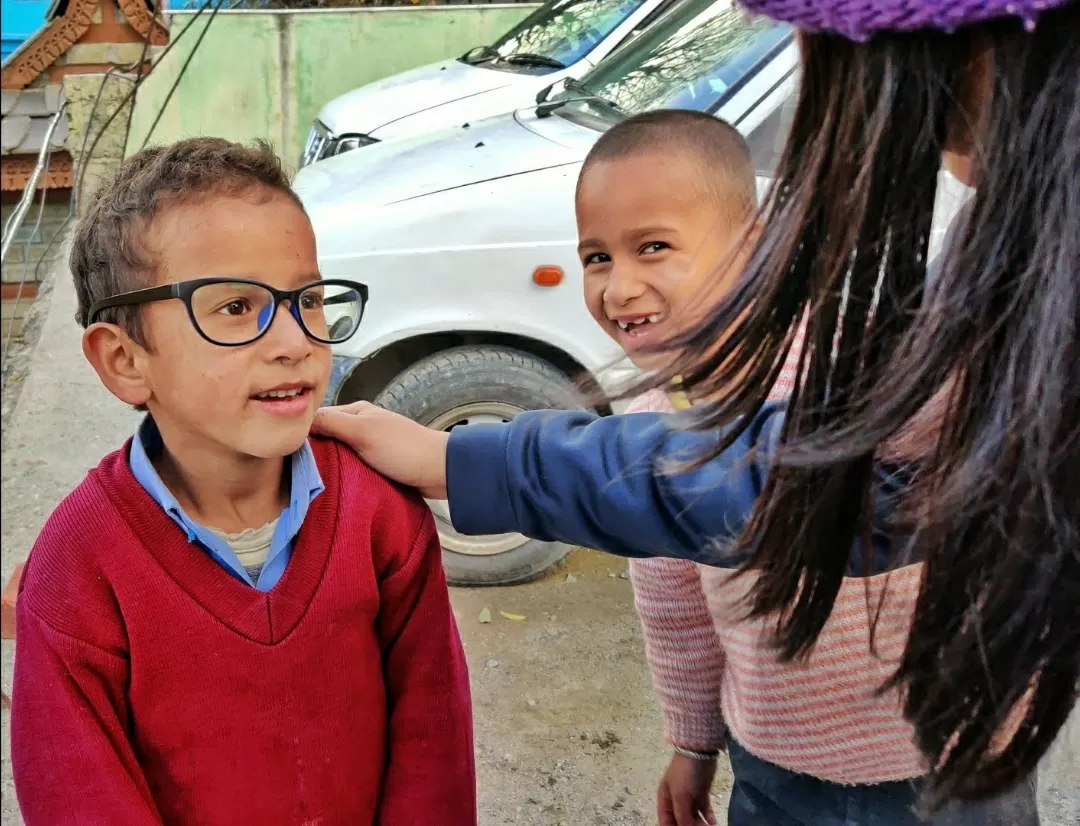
(145, 21)
(49, 45)
(63, 32)
(15, 172)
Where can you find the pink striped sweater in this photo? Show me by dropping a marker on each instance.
(717, 674)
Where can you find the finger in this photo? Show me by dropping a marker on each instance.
(705, 807)
(352, 408)
(333, 422)
(665, 814)
(685, 810)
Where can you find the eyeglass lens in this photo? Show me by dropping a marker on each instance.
(236, 313)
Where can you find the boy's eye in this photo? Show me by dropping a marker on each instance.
(596, 258)
(238, 306)
(654, 247)
(311, 301)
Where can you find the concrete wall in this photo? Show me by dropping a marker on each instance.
(92, 100)
(267, 74)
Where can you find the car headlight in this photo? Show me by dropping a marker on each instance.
(346, 143)
(322, 143)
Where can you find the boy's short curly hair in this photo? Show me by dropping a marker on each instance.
(108, 256)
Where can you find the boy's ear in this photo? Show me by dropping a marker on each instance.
(116, 359)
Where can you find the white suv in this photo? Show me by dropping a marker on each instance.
(561, 39)
(466, 238)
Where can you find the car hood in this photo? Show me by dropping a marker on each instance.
(375, 105)
(396, 171)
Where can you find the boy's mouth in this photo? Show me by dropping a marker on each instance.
(284, 400)
(639, 325)
(281, 394)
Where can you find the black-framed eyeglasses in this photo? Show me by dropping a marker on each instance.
(231, 312)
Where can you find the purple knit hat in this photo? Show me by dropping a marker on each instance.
(861, 19)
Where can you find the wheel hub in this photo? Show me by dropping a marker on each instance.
(473, 413)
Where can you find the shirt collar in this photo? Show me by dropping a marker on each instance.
(147, 445)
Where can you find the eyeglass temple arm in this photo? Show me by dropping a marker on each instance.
(340, 298)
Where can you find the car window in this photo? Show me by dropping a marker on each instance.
(564, 31)
(688, 60)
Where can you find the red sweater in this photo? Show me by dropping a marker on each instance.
(153, 687)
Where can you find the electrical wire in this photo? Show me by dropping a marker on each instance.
(183, 69)
(155, 10)
(127, 98)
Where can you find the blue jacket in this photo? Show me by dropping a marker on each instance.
(606, 483)
(585, 480)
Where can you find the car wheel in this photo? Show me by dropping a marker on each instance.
(467, 385)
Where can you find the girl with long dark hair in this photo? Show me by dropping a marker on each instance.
(916, 487)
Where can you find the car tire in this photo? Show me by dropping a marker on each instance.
(473, 384)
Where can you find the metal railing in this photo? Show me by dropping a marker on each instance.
(11, 229)
(14, 222)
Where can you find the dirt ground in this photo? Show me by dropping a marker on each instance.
(567, 726)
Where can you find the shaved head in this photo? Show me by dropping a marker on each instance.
(715, 147)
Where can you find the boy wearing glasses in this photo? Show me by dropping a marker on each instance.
(228, 623)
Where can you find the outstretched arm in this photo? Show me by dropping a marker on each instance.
(605, 483)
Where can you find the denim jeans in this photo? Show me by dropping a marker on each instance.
(767, 795)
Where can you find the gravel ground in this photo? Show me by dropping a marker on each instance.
(567, 727)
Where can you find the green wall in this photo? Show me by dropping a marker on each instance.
(267, 74)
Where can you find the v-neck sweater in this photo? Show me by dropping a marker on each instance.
(153, 687)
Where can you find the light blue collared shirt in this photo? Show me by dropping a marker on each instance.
(306, 485)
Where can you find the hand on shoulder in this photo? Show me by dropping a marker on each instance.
(391, 444)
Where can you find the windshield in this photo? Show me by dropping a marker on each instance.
(686, 60)
(563, 31)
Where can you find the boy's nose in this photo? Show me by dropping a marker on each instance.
(286, 334)
(622, 287)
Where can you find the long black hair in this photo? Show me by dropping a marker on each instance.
(991, 667)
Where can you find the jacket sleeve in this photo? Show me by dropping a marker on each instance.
(71, 758)
(608, 483)
(685, 657)
(430, 771)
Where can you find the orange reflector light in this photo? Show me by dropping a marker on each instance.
(547, 276)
